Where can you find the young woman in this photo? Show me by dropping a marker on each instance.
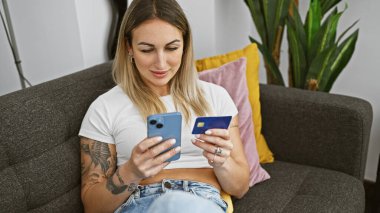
(122, 169)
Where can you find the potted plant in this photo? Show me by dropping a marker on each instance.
(316, 54)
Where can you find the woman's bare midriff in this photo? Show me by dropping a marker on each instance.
(205, 175)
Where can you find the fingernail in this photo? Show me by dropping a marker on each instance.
(197, 135)
(177, 149)
(208, 132)
(195, 140)
(159, 138)
(172, 141)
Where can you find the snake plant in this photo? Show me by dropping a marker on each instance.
(316, 55)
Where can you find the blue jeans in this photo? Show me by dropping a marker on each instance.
(174, 196)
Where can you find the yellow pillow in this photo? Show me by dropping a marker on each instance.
(227, 198)
(252, 74)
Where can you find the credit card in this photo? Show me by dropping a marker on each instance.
(202, 124)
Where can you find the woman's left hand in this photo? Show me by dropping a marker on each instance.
(216, 144)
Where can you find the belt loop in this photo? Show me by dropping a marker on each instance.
(163, 185)
(136, 193)
(186, 186)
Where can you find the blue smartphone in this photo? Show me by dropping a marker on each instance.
(202, 124)
(166, 125)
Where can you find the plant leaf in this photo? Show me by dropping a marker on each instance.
(329, 34)
(276, 20)
(318, 66)
(258, 18)
(313, 22)
(273, 68)
(297, 52)
(348, 29)
(340, 59)
(326, 5)
(325, 37)
(296, 23)
(269, 7)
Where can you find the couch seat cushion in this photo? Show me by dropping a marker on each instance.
(298, 188)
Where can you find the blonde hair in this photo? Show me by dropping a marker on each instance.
(184, 88)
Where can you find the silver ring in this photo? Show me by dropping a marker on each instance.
(218, 151)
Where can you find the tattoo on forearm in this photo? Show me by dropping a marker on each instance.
(99, 156)
(112, 187)
(118, 176)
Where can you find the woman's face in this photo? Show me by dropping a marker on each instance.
(157, 49)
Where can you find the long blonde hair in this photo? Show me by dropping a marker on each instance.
(184, 88)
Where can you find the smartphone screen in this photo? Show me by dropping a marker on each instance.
(166, 125)
(202, 124)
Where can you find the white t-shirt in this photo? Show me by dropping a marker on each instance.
(113, 118)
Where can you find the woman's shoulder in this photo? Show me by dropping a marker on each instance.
(115, 97)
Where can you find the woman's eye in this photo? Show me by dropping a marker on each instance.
(147, 51)
(172, 48)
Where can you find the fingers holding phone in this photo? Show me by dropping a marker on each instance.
(151, 155)
(162, 145)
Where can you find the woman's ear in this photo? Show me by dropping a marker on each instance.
(129, 48)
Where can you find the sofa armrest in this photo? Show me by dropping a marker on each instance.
(316, 128)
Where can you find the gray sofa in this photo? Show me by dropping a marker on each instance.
(319, 140)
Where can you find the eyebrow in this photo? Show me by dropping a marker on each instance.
(148, 44)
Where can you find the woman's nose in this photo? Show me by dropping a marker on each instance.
(161, 60)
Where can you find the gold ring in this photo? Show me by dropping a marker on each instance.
(212, 161)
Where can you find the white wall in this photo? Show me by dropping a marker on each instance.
(201, 15)
(94, 19)
(9, 80)
(47, 38)
(56, 38)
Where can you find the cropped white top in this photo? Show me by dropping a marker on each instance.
(113, 118)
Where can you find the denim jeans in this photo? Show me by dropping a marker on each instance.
(174, 196)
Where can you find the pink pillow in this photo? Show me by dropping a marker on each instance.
(232, 77)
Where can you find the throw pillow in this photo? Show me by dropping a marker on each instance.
(252, 75)
(232, 77)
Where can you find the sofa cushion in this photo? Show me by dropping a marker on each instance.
(298, 188)
(251, 53)
(39, 143)
(232, 77)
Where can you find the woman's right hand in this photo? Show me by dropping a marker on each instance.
(146, 158)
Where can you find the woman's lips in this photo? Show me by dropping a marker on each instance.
(159, 74)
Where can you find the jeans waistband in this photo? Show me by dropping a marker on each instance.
(170, 184)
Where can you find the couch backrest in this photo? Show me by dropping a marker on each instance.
(39, 146)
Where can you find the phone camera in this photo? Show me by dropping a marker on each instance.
(159, 125)
(152, 122)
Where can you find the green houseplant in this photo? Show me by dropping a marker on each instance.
(316, 54)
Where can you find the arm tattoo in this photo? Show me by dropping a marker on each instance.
(100, 155)
(112, 187)
(84, 169)
(118, 176)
